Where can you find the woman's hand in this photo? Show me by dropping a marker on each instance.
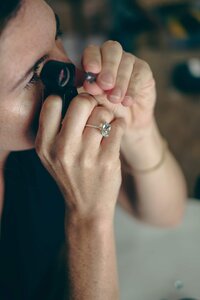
(142, 145)
(123, 79)
(85, 165)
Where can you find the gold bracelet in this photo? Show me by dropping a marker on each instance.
(131, 171)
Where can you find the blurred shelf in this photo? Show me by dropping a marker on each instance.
(149, 3)
(177, 22)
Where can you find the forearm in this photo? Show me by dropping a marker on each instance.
(91, 259)
(161, 193)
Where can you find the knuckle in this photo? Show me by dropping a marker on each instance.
(85, 159)
(105, 167)
(60, 152)
(113, 44)
(61, 159)
(122, 78)
(108, 168)
(85, 162)
(41, 151)
(151, 83)
(112, 62)
(52, 100)
(144, 65)
(100, 113)
(84, 99)
(128, 58)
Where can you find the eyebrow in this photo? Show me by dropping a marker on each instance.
(36, 64)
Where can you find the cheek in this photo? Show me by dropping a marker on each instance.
(18, 121)
(26, 109)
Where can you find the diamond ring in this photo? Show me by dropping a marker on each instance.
(104, 128)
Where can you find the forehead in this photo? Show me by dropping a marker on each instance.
(26, 37)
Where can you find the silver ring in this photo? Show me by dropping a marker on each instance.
(104, 128)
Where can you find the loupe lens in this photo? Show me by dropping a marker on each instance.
(58, 76)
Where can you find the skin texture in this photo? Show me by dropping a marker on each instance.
(87, 167)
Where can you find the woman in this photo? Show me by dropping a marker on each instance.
(74, 200)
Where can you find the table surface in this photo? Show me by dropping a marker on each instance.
(159, 264)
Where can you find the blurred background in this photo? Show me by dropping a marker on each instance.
(165, 33)
(154, 264)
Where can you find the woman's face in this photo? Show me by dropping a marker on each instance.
(29, 37)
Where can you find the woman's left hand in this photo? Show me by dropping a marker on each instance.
(123, 79)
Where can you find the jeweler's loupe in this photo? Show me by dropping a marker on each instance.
(59, 78)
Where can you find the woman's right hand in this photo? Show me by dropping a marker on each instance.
(85, 165)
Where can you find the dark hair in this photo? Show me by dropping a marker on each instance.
(8, 9)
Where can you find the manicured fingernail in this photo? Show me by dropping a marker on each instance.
(116, 95)
(106, 78)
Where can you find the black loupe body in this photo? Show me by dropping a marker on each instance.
(59, 79)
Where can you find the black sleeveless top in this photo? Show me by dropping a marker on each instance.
(32, 231)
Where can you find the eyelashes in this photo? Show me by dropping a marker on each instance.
(35, 78)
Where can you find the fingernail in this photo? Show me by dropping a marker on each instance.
(106, 78)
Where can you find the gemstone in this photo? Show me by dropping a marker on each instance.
(105, 129)
(90, 77)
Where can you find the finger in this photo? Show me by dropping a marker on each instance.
(49, 122)
(140, 81)
(92, 88)
(111, 52)
(76, 117)
(92, 137)
(91, 62)
(123, 77)
(111, 146)
(92, 59)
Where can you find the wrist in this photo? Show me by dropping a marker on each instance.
(135, 136)
(146, 151)
(90, 222)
